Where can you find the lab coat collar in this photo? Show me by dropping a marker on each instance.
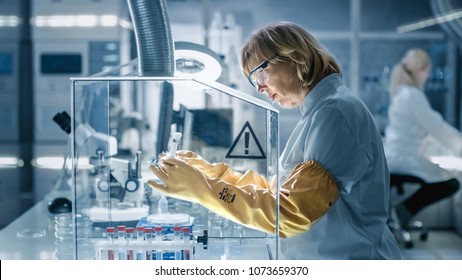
(404, 87)
(321, 91)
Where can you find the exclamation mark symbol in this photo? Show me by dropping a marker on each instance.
(246, 143)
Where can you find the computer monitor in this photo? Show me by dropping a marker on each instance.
(199, 127)
(213, 127)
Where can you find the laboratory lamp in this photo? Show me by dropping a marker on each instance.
(196, 61)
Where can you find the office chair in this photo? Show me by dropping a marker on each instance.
(402, 232)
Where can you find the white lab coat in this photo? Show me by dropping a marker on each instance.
(338, 131)
(413, 126)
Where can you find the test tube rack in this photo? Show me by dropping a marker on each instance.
(146, 246)
(157, 250)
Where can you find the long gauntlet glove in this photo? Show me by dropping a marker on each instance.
(247, 198)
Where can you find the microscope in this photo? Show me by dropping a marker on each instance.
(116, 186)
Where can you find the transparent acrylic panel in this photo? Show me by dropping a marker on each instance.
(122, 124)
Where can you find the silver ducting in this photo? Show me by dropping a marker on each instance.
(154, 42)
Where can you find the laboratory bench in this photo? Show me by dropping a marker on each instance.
(30, 236)
(33, 236)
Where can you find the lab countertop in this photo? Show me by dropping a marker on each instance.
(32, 237)
(29, 237)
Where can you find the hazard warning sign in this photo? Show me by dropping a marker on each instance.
(246, 145)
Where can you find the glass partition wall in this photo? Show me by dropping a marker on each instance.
(121, 125)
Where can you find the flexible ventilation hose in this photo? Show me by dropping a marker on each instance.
(452, 27)
(154, 42)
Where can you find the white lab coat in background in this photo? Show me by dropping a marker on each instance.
(413, 126)
(337, 131)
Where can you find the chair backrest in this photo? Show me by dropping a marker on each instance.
(397, 180)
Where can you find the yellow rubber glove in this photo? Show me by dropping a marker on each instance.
(246, 198)
(223, 171)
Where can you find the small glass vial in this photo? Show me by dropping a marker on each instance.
(121, 233)
(139, 233)
(177, 239)
(158, 233)
(129, 238)
(148, 240)
(158, 236)
(139, 241)
(186, 241)
(110, 238)
(121, 241)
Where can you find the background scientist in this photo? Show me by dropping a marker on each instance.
(413, 128)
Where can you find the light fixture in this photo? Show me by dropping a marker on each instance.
(57, 162)
(75, 21)
(429, 22)
(11, 162)
(9, 21)
(196, 61)
(448, 162)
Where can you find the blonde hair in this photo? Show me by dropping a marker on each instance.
(285, 41)
(414, 59)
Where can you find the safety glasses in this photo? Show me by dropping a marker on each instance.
(258, 76)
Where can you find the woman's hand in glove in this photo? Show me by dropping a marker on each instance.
(305, 197)
(181, 180)
(220, 171)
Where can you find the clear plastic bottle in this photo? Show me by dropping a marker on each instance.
(162, 208)
(64, 233)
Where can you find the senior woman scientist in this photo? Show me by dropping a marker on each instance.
(336, 140)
